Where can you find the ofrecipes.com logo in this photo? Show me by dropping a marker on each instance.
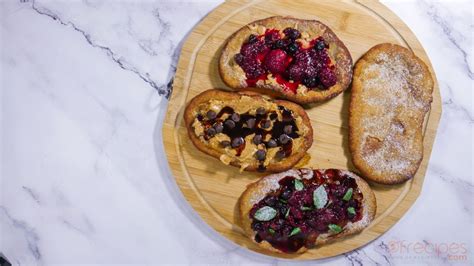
(453, 251)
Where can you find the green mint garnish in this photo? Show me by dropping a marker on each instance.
(298, 185)
(304, 208)
(271, 231)
(320, 197)
(351, 210)
(265, 214)
(348, 195)
(287, 213)
(335, 228)
(295, 231)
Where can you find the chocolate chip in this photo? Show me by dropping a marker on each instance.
(237, 142)
(271, 143)
(257, 139)
(225, 143)
(273, 116)
(235, 117)
(284, 138)
(211, 132)
(251, 122)
(211, 114)
(261, 111)
(218, 127)
(288, 129)
(261, 154)
(229, 124)
(280, 155)
(266, 124)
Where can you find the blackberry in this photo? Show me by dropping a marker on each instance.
(310, 82)
(291, 33)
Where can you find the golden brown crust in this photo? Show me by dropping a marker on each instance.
(235, 78)
(283, 165)
(258, 190)
(391, 94)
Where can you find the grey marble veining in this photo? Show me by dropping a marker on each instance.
(83, 176)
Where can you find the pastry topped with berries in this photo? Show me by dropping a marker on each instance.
(248, 130)
(299, 60)
(293, 211)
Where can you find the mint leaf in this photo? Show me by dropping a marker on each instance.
(351, 210)
(304, 208)
(335, 228)
(265, 214)
(287, 213)
(271, 231)
(320, 197)
(348, 195)
(295, 231)
(299, 185)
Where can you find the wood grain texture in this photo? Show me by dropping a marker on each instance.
(213, 189)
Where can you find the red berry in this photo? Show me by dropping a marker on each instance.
(327, 77)
(276, 61)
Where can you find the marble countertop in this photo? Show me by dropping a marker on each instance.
(84, 86)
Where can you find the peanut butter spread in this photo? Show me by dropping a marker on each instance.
(249, 131)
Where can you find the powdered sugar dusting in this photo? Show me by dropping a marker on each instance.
(393, 86)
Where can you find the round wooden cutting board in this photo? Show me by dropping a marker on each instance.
(212, 188)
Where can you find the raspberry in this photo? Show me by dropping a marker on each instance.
(327, 77)
(275, 61)
(272, 36)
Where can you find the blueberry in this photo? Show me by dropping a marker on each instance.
(229, 124)
(284, 139)
(310, 82)
(286, 194)
(239, 59)
(320, 45)
(211, 114)
(288, 129)
(261, 154)
(271, 143)
(292, 33)
(279, 44)
(292, 48)
(235, 117)
(252, 38)
(237, 142)
(261, 111)
(257, 139)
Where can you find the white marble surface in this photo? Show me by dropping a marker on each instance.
(83, 176)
